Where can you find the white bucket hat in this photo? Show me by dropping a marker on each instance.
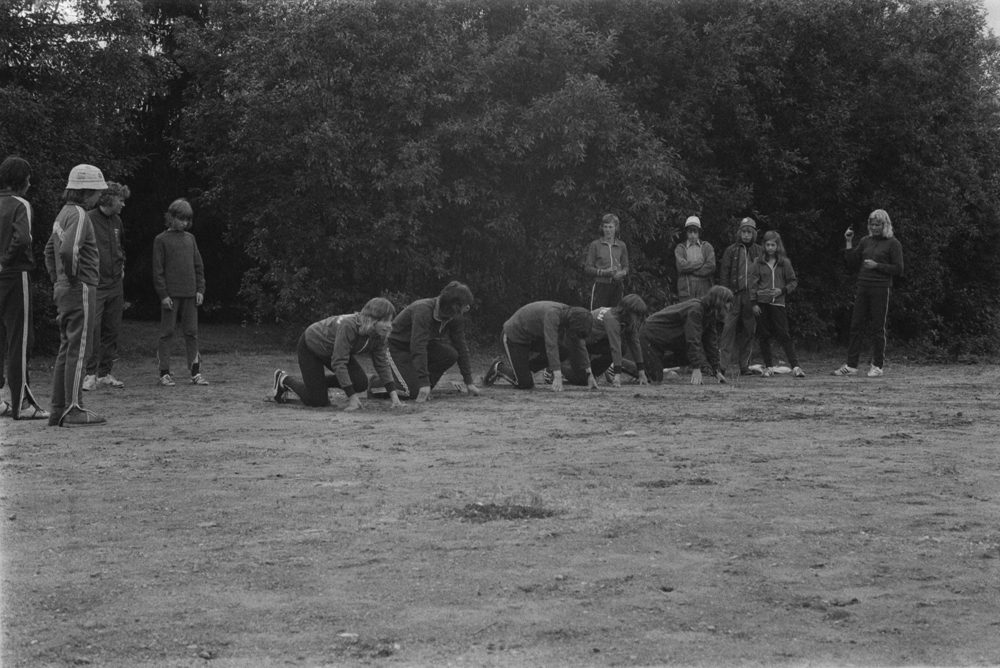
(86, 177)
(692, 221)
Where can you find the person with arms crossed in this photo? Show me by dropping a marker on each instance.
(695, 262)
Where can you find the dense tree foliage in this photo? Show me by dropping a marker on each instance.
(360, 148)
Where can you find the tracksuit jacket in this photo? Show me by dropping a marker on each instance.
(15, 239)
(764, 277)
(602, 256)
(607, 327)
(418, 325)
(71, 254)
(108, 231)
(888, 253)
(544, 321)
(338, 338)
(684, 327)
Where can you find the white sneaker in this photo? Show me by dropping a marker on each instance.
(768, 372)
(90, 383)
(845, 371)
(198, 379)
(6, 409)
(166, 380)
(875, 371)
(110, 381)
(797, 372)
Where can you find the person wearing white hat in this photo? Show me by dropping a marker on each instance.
(73, 262)
(695, 262)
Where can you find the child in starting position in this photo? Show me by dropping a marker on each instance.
(771, 278)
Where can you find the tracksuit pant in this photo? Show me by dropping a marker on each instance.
(187, 310)
(600, 361)
(657, 358)
(606, 294)
(312, 387)
(76, 304)
(774, 324)
(17, 337)
(107, 325)
(736, 343)
(871, 310)
(440, 358)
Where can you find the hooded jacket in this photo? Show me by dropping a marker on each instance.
(694, 277)
(734, 270)
(420, 324)
(765, 277)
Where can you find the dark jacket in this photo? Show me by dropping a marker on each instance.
(685, 330)
(418, 325)
(546, 322)
(109, 233)
(71, 254)
(602, 256)
(734, 271)
(764, 277)
(15, 234)
(888, 253)
(338, 339)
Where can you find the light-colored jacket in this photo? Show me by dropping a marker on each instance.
(694, 276)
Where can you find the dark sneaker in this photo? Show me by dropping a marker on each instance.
(845, 370)
(279, 386)
(80, 417)
(493, 372)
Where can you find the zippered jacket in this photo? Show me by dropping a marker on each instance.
(764, 277)
(108, 230)
(734, 270)
(694, 277)
(338, 338)
(71, 254)
(602, 256)
(607, 327)
(15, 234)
(418, 325)
(546, 322)
(888, 253)
(684, 327)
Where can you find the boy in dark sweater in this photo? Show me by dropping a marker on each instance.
(179, 278)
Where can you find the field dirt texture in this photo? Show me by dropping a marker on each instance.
(779, 522)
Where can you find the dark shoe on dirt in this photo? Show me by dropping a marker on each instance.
(279, 386)
(493, 372)
(80, 417)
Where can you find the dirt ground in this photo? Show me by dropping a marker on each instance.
(824, 521)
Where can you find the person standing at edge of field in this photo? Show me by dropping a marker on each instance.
(541, 335)
(686, 334)
(771, 280)
(334, 344)
(73, 263)
(734, 273)
(695, 262)
(179, 278)
(878, 257)
(612, 327)
(110, 290)
(427, 339)
(16, 313)
(607, 263)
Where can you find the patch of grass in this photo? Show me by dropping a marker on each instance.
(489, 512)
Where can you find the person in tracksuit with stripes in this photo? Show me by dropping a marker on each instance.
(73, 262)
(607, 264)
(16, 313)
(540, 336)
(614, 331)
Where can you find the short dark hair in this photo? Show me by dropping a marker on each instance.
(579, 321)
(14, 173)
(454, 296)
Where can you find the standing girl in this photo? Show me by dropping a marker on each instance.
(771, 278)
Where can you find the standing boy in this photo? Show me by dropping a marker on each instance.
(73, 261)
(695, 262)
(179, 278)
(16, 262)
(740, 324)
(110, 291)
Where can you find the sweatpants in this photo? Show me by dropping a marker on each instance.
(736, 343)
(600, 361)
(524, 360)
(18, 337)
(187, 310)
(871, 311)
(657, 359)
(606, 294)
(107, 326)
(773, 324)
(440, 358)
(312, 387)
(75, 304)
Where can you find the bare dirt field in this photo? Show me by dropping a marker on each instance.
(824, 521)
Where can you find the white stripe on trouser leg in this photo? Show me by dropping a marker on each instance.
(885, 324)
(26, 322)
(404, 389)
(593, 292)
(81, 359)
(510, 361)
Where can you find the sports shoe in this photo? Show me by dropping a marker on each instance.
(5, 409)
(166, 380)
(845, 371)
(198, 379)
(548, 376)
(493, 372)
(80, 417)
(609, 376)
(33, 412)
(768, 372)
(279, 386)
(90, 383)
(798, 372)
(875, 371)
(110, 381)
